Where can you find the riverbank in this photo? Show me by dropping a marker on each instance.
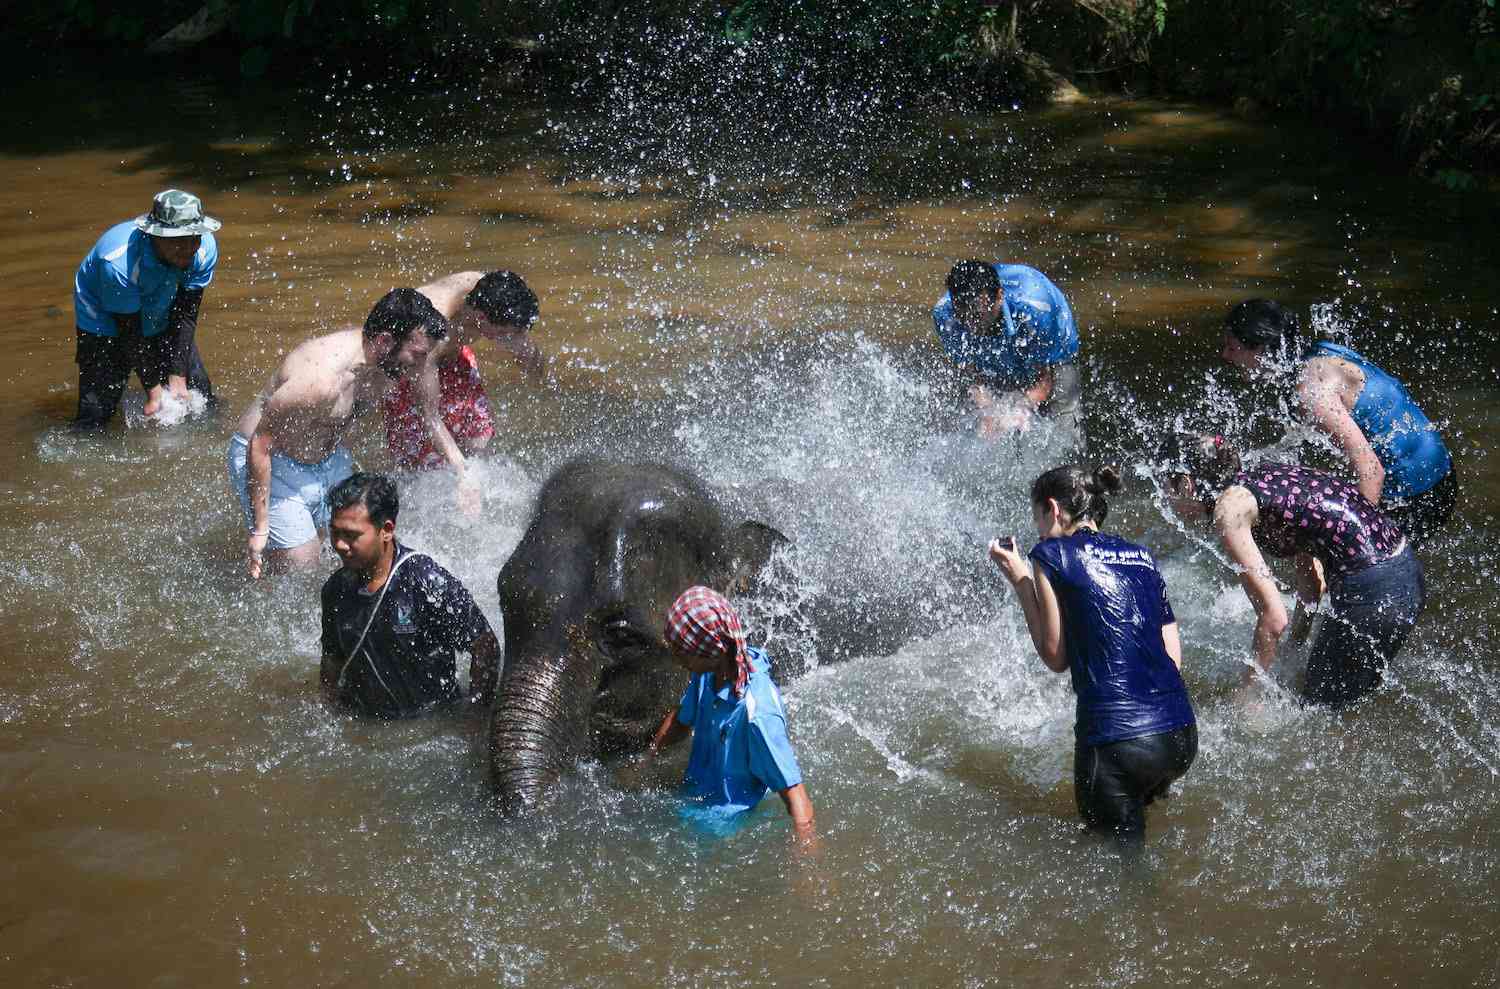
(1419, 79)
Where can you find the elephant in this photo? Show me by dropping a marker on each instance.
(584, 597)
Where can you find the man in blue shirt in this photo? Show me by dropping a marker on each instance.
(732, 710)
(136, 298)
(1012, 330)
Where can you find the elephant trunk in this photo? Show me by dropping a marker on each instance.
(538, 728)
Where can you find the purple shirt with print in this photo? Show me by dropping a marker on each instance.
(1309, 511)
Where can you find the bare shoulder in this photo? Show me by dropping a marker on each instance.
(447, 293)
(316, 369)
(1235, 508)
(1322, 374)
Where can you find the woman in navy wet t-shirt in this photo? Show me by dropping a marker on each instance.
(1097, 606)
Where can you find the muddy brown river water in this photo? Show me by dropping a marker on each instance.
(178, 809)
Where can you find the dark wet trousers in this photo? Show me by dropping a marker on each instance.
(105, 363)
(1372, 613)
(1421, 517)
(1113, 783)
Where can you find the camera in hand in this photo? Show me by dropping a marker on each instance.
(1007, 543)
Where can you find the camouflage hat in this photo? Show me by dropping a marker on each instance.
(175, 213)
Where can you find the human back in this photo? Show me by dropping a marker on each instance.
(1404, 438)
(1302, 510)
(1114, 606)
(1096, 607)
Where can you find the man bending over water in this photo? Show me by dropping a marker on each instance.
(135, 301)
(289, 452)
(1011, 329)
(441, 414)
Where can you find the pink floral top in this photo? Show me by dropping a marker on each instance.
(1309, 511)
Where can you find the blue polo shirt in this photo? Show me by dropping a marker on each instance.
(122, 274)
(1037, 323)
(740, 746)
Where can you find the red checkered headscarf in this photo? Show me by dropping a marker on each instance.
(701, 622)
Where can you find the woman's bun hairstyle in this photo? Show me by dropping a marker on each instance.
(1078, 493)
(1105, 480)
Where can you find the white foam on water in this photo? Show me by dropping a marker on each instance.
(173, 410)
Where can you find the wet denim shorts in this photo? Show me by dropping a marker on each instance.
(299, 491)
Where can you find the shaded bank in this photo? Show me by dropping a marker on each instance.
(1422, 76)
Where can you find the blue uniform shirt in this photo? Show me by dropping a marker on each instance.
(1038, 326)
(1114, 605)
(740, 746)
(122, 274)
(1404, 439)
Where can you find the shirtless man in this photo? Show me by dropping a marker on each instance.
(288, 451)
(442, 414)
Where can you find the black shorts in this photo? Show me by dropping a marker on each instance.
(1113, 783)
(1372, 612)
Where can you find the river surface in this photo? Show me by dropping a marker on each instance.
(177, 808)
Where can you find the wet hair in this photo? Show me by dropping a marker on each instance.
(1209, 460)
(504, 299)
(1079, 493)
(375, 491)
(972, 278)
(1262, 324)
(401, 311)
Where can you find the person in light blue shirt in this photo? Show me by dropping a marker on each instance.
(1394, 449)
(733, 712)
(1012, 331)
(136, 299)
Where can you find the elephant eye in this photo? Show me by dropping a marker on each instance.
(620, 637)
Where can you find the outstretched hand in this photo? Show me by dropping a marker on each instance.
(1009, 560)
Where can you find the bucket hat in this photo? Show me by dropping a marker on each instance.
(175, 213)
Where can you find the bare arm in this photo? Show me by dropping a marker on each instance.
(484, 669)
(670, 733)
(1041, 389)
(278, 413)
(1233, 517)
(799, 807)
(1171, 638)
(527, 354)
(429, 390)
(1038, 603)
(1319, 393)
(258, 481)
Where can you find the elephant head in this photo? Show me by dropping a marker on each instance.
(584, 596)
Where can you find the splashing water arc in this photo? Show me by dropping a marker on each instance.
(738, 279)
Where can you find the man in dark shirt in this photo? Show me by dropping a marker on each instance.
(393, 620)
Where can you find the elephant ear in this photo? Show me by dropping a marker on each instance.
(750, 547)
